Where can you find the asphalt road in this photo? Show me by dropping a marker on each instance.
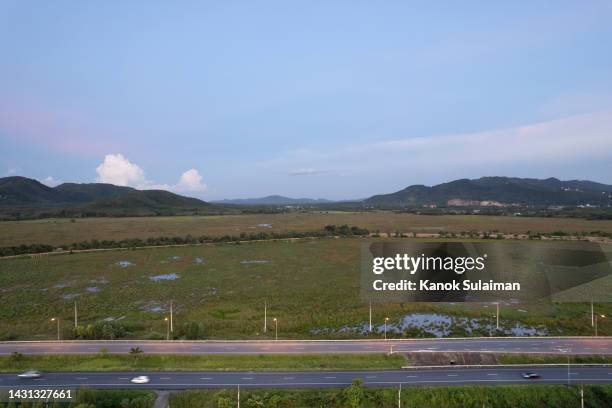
(553, 345)
(410, 377)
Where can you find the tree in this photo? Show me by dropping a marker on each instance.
(354, 393)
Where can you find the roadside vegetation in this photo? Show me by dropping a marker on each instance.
(88, 398)
(552, 359)
(356, 396)
(141, 361)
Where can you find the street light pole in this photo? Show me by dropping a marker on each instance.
(386, 320)
(497, 317)
(56, 319)
(167, 328)
(171, 318)
(265, 316)
(275, 328)
(76, 319)
(370, 316)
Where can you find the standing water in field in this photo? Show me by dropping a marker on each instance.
(166, 276)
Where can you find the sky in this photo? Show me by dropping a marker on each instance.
(334, 99)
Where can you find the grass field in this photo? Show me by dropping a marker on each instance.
(308, 285)
(64, 231)
(115, 362)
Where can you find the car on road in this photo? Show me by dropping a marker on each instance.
(31, 374)
(530, 375)
(141, 379)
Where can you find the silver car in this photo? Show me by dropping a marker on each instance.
(31, 374)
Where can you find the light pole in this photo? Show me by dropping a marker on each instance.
(370, 316)
(275, 328)
(386, 320)
(167, 328)
(596, 318)
(265, 316)
(55, 319)
(497, 317)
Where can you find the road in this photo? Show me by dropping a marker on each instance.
(522, 345)
(411, 377)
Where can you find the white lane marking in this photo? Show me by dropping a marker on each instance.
(370, 376)
(288, 378)
(329, 378)
(81, 378)
(123, 378)
(164, 378)
(492, 374)
(205, 378)
(452, 375)
(246, 378)
(411, 376)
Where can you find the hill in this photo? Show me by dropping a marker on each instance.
(499, 191)
(274, 200)
(21, 191)
(21, 197)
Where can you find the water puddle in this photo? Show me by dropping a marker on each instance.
(166, 276)
(255, 261)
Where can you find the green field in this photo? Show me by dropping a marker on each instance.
(217, 362)
(311, 286)
(64, 231)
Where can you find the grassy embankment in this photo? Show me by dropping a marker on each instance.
(115, 362)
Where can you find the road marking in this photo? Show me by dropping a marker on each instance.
(164, 378)
(123, 378)
(492, 374)
(452, 375)
(81, 378)
(246, 378)
(329, 378)
(205, 378)
(411, 376)
(370, 376)
(288, 378)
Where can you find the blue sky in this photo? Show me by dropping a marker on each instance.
(320, 99)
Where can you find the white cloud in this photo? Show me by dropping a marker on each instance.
(50, 181)
(191, 181)
(303, 172)
(117, 170)
(556, 147)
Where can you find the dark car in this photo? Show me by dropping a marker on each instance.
(529, 375)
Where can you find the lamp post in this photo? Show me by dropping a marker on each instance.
(596, 318)
(275, 328)
(386, 320)
(497, 317)
(56, 319)
(167, 328)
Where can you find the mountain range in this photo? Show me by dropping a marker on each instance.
(19, 193)
(498, 191)
(21, 196)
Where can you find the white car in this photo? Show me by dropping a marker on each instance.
(30, 375)
(141, 379)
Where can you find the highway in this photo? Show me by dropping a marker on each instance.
(522, 345)
(410, 377)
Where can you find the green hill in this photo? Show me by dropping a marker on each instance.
(21, 197)
(499, 191)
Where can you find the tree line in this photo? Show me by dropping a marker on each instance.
(328, 230)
